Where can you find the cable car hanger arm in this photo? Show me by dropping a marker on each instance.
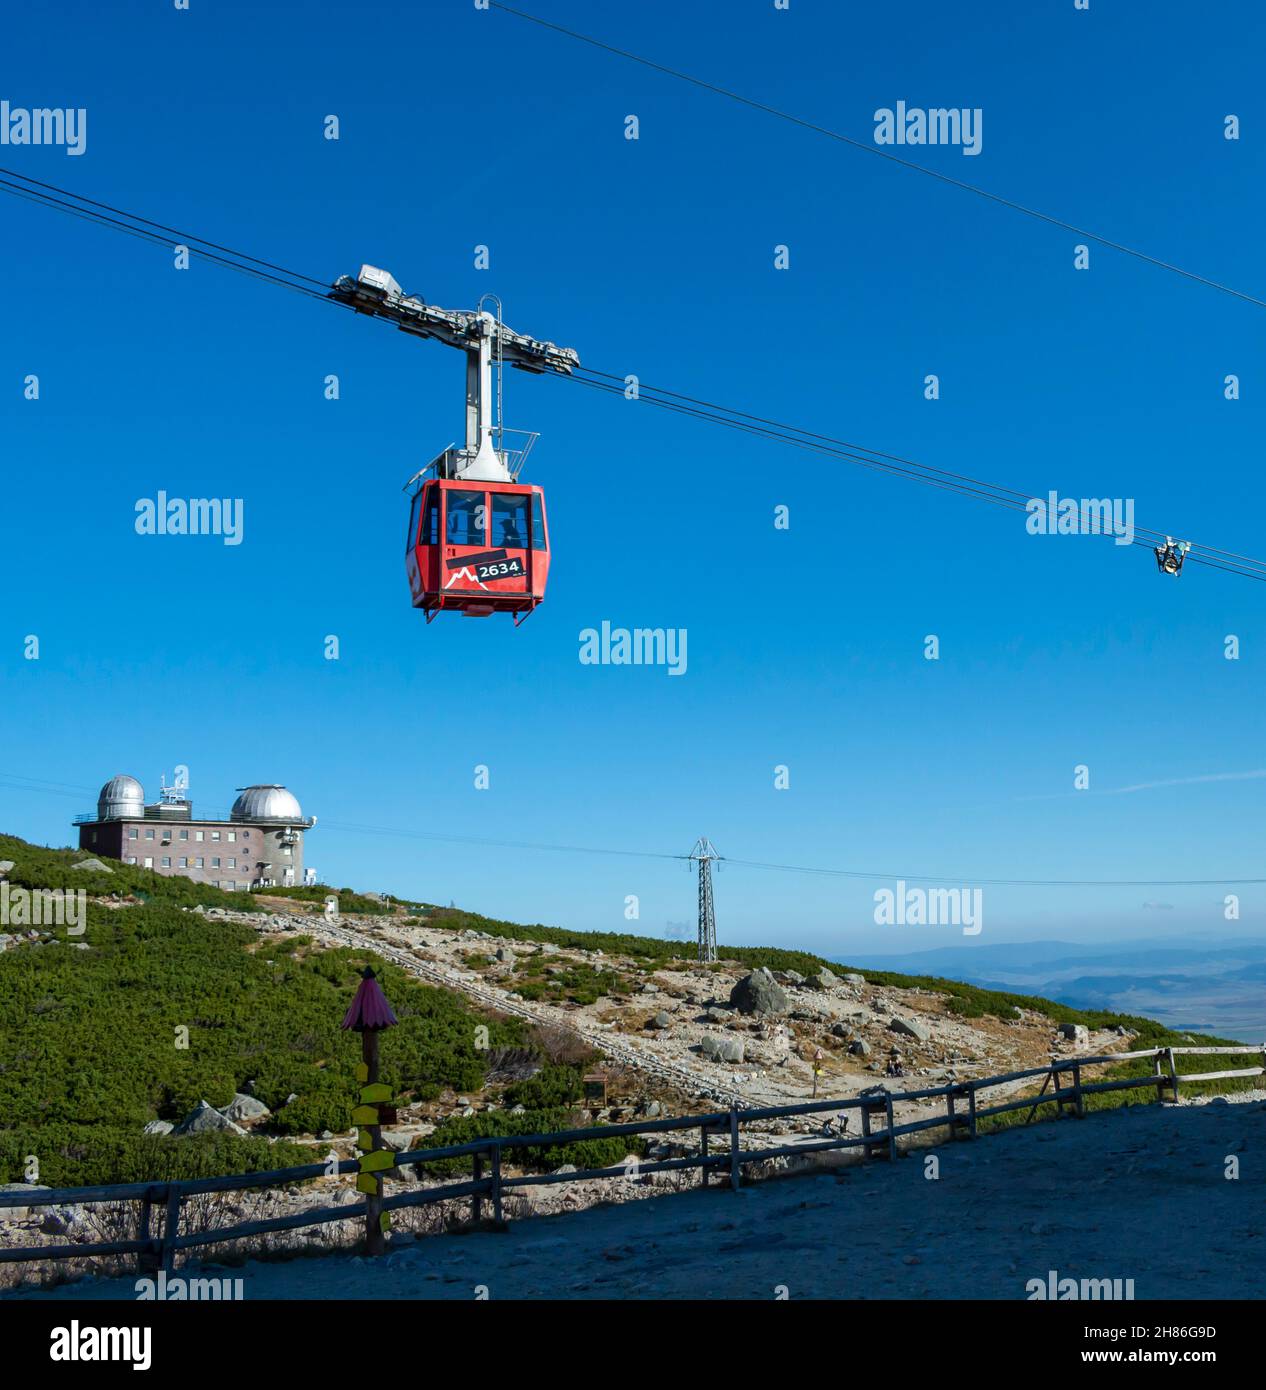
(376, 293)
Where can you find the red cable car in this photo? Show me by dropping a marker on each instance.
(477, 547)
(477, 542)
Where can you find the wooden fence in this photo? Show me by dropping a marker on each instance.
(1063, 1086)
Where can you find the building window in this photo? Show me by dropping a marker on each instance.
(184, 834)
(149, 863)
(246, 834)
(131, 859)
(215, 863)
(230, 863)
(166, 861)
(197, 834)
(232, 836)
(133, 833)
(242, 887)
(149, 834)
(215, 834)
(285, 849)
(197, 863)
(92, 837)
(184, 862)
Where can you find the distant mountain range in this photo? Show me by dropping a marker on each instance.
(1211, 986)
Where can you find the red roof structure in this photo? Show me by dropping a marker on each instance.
(369, 1010)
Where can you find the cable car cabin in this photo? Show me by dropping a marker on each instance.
(477, 548)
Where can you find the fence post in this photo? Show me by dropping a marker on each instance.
(496, 1185)
(735, 1177)
(477, 1197)
(950, 1117)
(971, 1108)
(1173, 1072)
(145, 1260)
(703, 1153)
(171, 1229)
(1156, 1071)
(1079, 1103)
(892, 1138)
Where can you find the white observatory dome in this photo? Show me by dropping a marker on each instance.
(122, 798)
(265, 802)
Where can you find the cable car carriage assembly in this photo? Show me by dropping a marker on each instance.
(1169, 557)
(477, 542)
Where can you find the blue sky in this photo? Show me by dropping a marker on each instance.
(805, 647)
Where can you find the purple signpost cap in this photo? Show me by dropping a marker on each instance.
(369, 1010)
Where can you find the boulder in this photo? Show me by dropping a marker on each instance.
(58, 1221)
(504, 954)
(821, 979)
(244, 1107)
(661, 1020)
(205, 1118)
(5, 866)
(95, 865)
(791, 977)
(722, 1049)
(1074, 1032)
(853, 978)
(158, 1127)
(759, 993)
(22, 1213)
(859, 1047)
(910, 1027)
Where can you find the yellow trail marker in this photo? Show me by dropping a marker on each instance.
(378, 1160)
(377, 1091)
(365, 1115)
(366, 1182)
(362, 1072)
(384, 1222)
(364, 1140)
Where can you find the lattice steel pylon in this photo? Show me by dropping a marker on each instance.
(704, 855)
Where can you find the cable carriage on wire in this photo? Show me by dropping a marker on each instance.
(477, 542)
(475, 546)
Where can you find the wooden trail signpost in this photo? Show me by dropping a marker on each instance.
(368, 1015)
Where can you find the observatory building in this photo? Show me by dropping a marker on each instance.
(259, 844)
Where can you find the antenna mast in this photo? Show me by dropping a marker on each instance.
(704, 854)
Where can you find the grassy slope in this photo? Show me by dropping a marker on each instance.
(967, 1001)
(88, 1039)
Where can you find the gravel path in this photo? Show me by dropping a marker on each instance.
(1131, 1194)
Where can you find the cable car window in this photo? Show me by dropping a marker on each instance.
(510, 520)
(431, 521)
(411, 538)
(467, 518)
